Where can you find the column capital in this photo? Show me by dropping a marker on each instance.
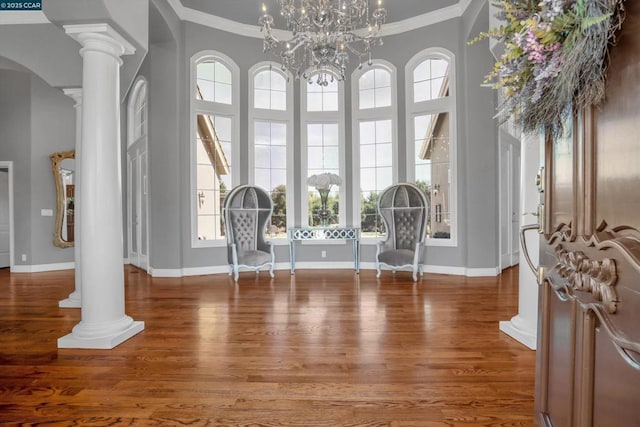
(74, 93)
(100, 37)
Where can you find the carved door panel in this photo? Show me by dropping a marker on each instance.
(588, 360)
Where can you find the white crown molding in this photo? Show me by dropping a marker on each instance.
(224, 24)
(16, 17)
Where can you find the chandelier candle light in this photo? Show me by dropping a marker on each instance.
(323, 32)
(323, 183)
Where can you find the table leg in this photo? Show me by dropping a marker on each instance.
(356, 255)
(292, 255)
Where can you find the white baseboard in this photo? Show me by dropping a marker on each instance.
(39, 268)
(329, 265)
(445, 269)
(42, 267)
(482, 272)
(311, 265)
(200, 271)
(515, 330)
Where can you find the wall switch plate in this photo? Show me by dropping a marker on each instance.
(46, 212)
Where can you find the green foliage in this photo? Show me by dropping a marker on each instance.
(555, 57)
(370, 220)
(314, 207)
(279, 216)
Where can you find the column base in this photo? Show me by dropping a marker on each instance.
(73, 301)
(516, 330)
(103, 342)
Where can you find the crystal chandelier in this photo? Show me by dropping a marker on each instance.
(324, 32)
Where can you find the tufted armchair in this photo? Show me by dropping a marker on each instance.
(403, 208)
(246, 213)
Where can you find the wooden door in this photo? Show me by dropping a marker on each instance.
(588, 361)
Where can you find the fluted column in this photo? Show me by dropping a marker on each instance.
(74, 298)
(103, 323)
(523, 326)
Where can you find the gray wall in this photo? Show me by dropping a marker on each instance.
(35, 121)
(481, 160)
(477, 156)
(44, 118)
(15, 137)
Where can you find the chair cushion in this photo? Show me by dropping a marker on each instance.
(253, 258)
(397, 257)
(244, 229)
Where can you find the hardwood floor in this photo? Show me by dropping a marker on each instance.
(321, 348)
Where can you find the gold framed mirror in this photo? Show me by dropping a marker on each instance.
(63, 167)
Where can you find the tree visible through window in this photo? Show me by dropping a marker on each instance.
(374, 115)
(322, 121)
(214, 116)
(431, 126)
(271, 116)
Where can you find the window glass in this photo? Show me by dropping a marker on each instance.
(270, 154)
(433, 169)
(323, 156)
(270, 90)
(431, 80)
(376, 171)
(213, 82)
(213, 173)
(375, 89)
(322, 98)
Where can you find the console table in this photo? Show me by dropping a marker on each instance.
(324, 233)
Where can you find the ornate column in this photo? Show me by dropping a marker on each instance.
(74, 298)
(103, 323)
(523, 326)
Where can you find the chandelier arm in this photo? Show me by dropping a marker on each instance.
(325, 34)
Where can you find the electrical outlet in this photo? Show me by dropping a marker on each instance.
(24, 257)
(323, 254)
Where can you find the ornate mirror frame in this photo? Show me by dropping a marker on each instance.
(56, 159)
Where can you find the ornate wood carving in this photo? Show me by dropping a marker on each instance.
(597, 277)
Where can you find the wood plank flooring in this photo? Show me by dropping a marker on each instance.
(321, 348)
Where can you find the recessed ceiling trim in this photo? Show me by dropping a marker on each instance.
(15, 17)
(398, 27)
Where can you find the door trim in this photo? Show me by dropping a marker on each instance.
(9, 166)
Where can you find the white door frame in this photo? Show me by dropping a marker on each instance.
(509, 222)
(9, 166)
(137, 149)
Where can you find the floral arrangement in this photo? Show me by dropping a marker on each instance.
(324, 181)
(555, 57)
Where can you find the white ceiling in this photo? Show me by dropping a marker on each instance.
(248, 11)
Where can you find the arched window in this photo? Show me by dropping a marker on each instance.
(137, 111)
(214, 143)
(322, 117)
(431, 134)
(375, 141)
(271, 140)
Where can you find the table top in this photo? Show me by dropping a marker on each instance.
(318, 233)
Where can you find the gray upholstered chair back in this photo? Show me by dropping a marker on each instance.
(247, 211)
(403, 208)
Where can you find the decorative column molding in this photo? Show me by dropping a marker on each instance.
(74, 300)
(103, 323)
(523, 326)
